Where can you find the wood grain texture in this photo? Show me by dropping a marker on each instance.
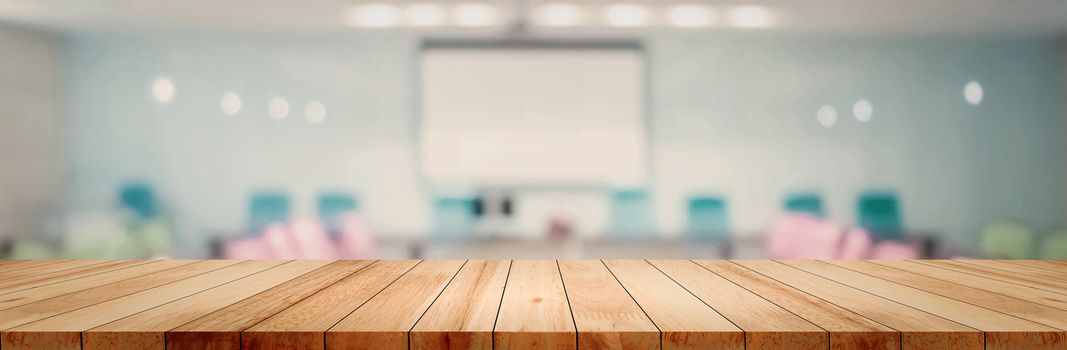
(54, 332)
(1022, 267)
(848, 330)
(38, 303)
(15, 265)
(1051, 285)
(1055, 265)
(605, 315)
(303, 326)
(463, 316)
(8, 286)
(1000, 332)
(383, 322)
(534, 313)
(919, 330)
(221, 330)
(766, 325)
(45, 269)
(684, 320)
(145, 330)
(1013, 290)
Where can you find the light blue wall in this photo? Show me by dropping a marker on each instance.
(730, 115)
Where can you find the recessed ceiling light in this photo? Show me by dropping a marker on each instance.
(162, 89)
(374, 15)
(827, 116)
(560, 15)
(315, 112)
(474, 15)
(972, 92)
(230, 103)
(750, 17)
(424, 15)
(278, 107)
(690, 16)
(862, 110)
(626, 15)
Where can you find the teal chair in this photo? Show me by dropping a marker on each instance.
(631, 214)
(267, 208)
(1006, 239)
(879, 214)
(707, 219)
(139, 199)
(334, 205)
(454, 217)
(807, 203)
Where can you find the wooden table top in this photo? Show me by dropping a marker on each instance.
(533, 304)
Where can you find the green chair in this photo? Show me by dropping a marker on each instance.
(707, 219)
(631, 214)
(267, 208)
(140, 199)
(334, 205)
(1005, 239)
(807, 203)
(1054, 246)
(879, 214)
(454, 217)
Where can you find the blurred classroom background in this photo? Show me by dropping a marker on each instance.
(533, 129)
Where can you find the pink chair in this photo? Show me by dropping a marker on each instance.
(856, 244)
(801, 236)
(894, 251)
(356, 239)
(281, 243)
(312, 241)
(248, 248)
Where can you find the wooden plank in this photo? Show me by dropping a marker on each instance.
(1028, 270)
(15, 265)
(988, 272)
(1053, 265)
(221, 330)
(44, 269)
(64, 331)
(33, 304)
(534, 312)
(145, 330)
(1022, 292)
(1001, 331)
(383, 322)
(464, 314)
(303, 326)
(68, 274)
(848, 330)
(605, 315)
(919, 330)
(684, 320)
(933, 284)
(766, 325)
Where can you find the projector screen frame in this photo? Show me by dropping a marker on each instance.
(516, 44)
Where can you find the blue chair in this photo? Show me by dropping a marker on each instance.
(631, 214)
(707, 219)
(334, 205)
(454, 217)
(140, 199)
(879, 214)
(267, 208)
(805, 203)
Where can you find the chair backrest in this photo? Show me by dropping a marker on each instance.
(356, 239)
(631, 214)
(332, 206)
(1054, 246)
(807, 203)
(879, 214)
(140, 199)
(856, 244)
(802, 236)
(454, 217)
(707, 218)
(312, 240)
(1006, 239)
(267, 208)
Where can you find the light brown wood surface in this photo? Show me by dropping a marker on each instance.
(605, 315)
(684, 321)
(534, 312)
(533, 304)
(464, 314)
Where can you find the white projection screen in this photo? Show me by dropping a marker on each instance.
(533, 116)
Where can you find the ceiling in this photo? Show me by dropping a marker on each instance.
(824, 17)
